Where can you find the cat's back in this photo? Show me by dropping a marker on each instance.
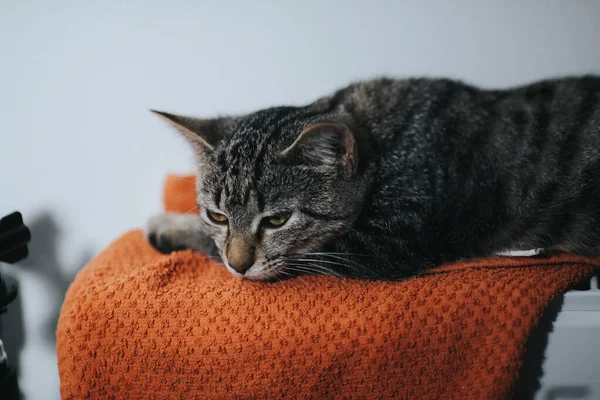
(380, 97)
(426, 112)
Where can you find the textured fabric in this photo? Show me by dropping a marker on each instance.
(139, 324)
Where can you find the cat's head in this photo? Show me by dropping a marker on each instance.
(273, 185)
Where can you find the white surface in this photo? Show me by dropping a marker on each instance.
(572, 364)
(77, 77)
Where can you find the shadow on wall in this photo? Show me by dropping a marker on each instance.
(43, 260)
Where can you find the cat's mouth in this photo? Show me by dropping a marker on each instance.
(262, 271)
(279, 270)
(286, 266)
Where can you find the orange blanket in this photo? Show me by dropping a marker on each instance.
(139, 324)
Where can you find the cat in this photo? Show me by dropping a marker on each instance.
(387, 178)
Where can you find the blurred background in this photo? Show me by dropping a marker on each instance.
(84, 161)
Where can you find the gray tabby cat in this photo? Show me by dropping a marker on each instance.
(386, 178)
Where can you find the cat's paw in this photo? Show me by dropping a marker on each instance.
(168, 232)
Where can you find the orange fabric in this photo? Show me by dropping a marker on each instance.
(139, 324)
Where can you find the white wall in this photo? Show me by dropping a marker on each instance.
(84, 161)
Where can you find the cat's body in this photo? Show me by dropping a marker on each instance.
(386, 178)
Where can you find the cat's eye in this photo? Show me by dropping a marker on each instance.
(217, 218)
(276, 221)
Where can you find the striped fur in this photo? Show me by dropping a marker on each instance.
(445, 171)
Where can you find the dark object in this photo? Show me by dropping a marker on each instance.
(9, 386)
(14, 237)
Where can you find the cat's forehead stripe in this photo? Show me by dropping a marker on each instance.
(241, 159)
(217, 197)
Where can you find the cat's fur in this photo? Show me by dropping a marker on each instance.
(413, 173)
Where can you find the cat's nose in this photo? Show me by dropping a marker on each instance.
(240, 255)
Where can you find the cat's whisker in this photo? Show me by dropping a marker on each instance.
(304, 271)
(357, 268)
(288, 273)
(282, 272)
(189, 211)
(291, 268)
(276, 276)
(312, 262)
(326, 271)
(314, 268)
(178, 178)
(326, 262)
(338, 257)
(338, 253)
(352, 229)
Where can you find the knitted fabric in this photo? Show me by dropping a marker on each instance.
(139, 324)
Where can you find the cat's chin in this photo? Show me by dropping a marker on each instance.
(234, 272)
(260, 276)
(251, 275)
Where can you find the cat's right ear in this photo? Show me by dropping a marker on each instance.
(202, 134)
(325, 145)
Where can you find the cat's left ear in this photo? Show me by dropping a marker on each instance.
(202, 134)
(325, 144)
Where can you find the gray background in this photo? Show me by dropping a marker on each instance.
(84, 161)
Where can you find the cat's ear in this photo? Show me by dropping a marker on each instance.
(325, 144)
(202, 134)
